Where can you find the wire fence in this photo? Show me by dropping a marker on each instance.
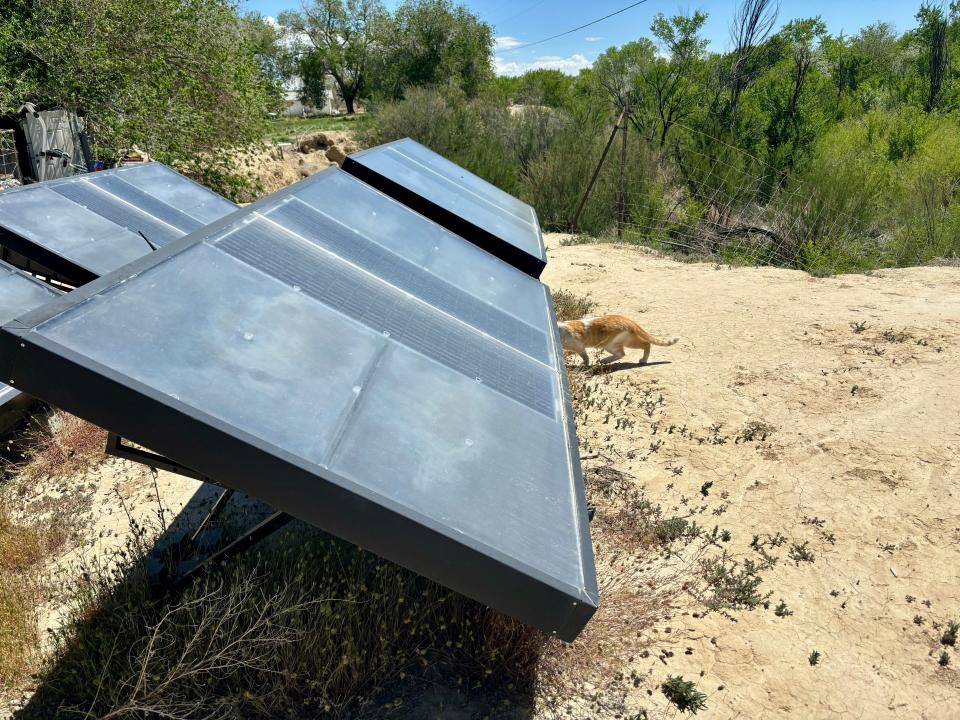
(709, 199)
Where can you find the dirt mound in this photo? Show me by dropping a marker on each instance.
(286, 163)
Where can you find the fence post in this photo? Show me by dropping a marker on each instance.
(622, 187)
(583, 200)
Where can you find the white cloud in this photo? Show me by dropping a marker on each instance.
(505, 42)
(570, 65)
(593, 39)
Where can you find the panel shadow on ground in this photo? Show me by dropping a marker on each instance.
(323, 352)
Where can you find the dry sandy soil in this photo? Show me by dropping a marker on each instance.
(286, 163)
(855, 383)
(825, 410)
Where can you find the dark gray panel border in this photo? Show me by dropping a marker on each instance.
(530, 264)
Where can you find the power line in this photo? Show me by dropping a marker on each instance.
(576, 29)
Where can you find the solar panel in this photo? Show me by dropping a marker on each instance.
(19, 293)
(314, 351)
(84, 226)
(456, 199)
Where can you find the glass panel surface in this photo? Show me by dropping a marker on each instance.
(46, 218)
(365, 213)
(441, 191)
(19, 294)
(117, 186)
(411, 277)
(448, 448)
(174, 189)
(232, 342)
(465, 179)
(104, 204)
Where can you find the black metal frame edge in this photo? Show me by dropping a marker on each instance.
(573, 447)
(483, 239)
(70, 271)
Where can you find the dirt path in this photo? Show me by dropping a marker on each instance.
(825, 410)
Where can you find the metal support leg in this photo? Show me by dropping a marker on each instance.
(216, 510)
(253, 536)
(117, 448)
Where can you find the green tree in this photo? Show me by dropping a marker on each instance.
(544, 87)
(433, 42)
(676, 85)
(791, 91)
(341, 38)
(177, 77)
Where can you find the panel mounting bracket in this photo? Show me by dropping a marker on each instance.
(168, 578)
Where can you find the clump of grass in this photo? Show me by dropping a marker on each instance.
(61, 445)
(950, 634)
(683, 695)
(19, 636)
(781, 610)
(814, 658)
(944, 659)
(570, 306)
(730, 584)
(314, 626)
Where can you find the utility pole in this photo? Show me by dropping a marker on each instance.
(622, 188)
(593, 179)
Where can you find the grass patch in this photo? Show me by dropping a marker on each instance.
(683, 695)
(570, 306)
(61, 445)
(288, 129)
(37, 523)
(311, 626)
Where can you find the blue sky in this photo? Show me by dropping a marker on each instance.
(520, 21)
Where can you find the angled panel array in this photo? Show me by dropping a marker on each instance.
(85, 226)
(345, 360)
(456, 199)
(19, 293)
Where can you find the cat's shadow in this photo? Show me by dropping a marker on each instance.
(598, 368)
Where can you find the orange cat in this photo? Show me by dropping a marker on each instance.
(611, 332)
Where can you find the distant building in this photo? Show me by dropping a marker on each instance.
(295, 107)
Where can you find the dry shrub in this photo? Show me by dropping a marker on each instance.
(570, 306)
(62, 445)
(25, 544)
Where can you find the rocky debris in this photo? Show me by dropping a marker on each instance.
(336, 155)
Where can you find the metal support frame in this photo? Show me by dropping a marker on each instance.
(257, 533)
(117, 448)
(168, 582)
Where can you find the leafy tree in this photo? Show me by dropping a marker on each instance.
(177, 77)
(791, 97)
(935, 53)
(342, 37)
(751, 27)
(544, 87)
(433, 42)
(676, 85)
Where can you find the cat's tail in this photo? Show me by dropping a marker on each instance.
(664, 343)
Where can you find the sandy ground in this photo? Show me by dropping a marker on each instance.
(826, 410)
(861, 461)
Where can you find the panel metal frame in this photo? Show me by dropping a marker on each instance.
(248, 464)
(493, 244)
